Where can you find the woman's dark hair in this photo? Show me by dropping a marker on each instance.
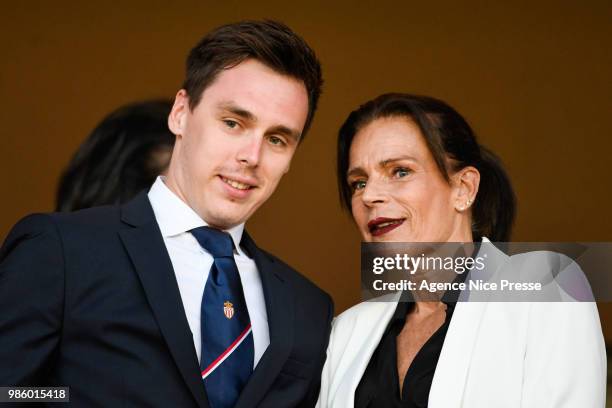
(447, 135)
(270, 42)
(122, 156)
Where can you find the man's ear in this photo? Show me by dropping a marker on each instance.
(178, 115)
(465, 186)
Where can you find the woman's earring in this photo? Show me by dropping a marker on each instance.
(467, 204)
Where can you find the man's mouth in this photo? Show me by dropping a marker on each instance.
(237, 184)
(382, 225)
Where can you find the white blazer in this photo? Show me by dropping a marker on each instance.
(495, 354)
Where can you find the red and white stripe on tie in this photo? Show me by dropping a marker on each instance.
(228, 352)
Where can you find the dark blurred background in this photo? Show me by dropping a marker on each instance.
(533, 80)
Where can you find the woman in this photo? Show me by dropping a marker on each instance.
(411, 170)
(123, 155)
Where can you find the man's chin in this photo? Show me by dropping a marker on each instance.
(224, 212)
(224, 219)
(224, 223)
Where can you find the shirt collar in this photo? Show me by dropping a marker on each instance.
(401, 311)
(175, 217)
(403, 307)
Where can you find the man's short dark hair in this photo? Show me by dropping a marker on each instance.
(270, 42)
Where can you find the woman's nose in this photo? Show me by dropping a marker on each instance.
(374, 193)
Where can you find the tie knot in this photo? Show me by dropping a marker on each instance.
(218, 243)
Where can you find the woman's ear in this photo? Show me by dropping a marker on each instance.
(465, 187)
(178, 114)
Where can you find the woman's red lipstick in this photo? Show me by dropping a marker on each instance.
(382, 225)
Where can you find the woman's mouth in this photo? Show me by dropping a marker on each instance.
(382, 225)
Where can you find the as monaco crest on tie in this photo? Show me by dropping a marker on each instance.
(228, 309)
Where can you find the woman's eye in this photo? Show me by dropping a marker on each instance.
(358, 185)
(232, 124)
(401, 172)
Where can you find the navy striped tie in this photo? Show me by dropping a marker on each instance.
(227, 341)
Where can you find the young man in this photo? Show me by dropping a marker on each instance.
(167, 301)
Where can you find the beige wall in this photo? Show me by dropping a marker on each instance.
(532, 79)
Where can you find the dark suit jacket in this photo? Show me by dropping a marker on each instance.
(89, 300)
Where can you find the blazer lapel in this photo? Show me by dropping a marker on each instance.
(280, 309)
(451, 372)
(145, 246)
(450, 378)
(370, 326)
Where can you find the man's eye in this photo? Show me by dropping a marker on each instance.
(401, 172)
(232, 124)
(358, 185)
(277, 141)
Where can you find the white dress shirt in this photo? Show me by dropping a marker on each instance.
(192, 264)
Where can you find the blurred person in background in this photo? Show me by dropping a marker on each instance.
(122, 156)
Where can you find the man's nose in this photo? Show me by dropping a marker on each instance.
(250, 151)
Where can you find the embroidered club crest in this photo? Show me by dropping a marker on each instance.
(228, 309)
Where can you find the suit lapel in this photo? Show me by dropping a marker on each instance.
(371, 327)
(451, 374)
(280, 310)
(148, 253)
